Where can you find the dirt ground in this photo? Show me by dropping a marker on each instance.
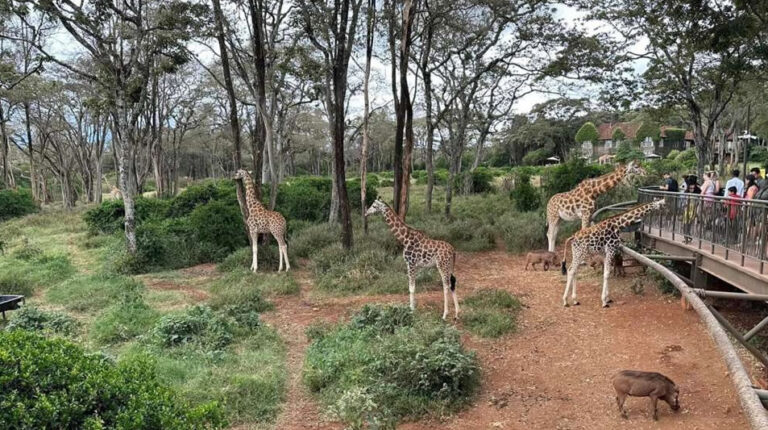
(554, 373)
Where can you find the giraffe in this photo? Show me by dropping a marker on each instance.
(419, 251)
(602, 237)
(262, 220)
(114, 192)
(579, 203)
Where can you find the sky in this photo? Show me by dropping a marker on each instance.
(62, 45)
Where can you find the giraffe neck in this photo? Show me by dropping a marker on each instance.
(635, 215)
(396, 225)
(250, 196)
(606, 182)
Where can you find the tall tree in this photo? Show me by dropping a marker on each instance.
(332, 27)
(369, 30)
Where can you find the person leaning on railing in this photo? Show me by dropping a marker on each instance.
(762, 184)
(689, 214)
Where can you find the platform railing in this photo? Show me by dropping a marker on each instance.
(732, 227)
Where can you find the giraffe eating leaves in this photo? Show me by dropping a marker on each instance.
(580, 202)
(603, 237)
(419, 251)
(262, 220)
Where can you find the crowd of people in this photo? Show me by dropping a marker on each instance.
(725, 215)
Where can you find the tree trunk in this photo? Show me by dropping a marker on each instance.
(234, 121)
(31, 155)
(367, 109)
(427, 76)
(409, 9)
(397, 164)
(8, 178)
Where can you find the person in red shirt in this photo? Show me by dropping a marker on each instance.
(733, 203)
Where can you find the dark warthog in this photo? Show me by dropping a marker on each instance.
(645, 384)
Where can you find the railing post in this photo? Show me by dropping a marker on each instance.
(744, 221)
(761, 241)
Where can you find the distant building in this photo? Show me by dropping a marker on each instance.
(606, 145)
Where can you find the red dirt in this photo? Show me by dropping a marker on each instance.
(554, 373)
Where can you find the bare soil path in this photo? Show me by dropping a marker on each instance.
(554, 373)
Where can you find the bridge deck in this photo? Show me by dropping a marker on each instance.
(746, 273)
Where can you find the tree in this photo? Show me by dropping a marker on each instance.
(618, 135)
(648, 129)
(698, 54)
(587, 133)
(369, 29)
(128, 43)
(626, 152)
(332, 31)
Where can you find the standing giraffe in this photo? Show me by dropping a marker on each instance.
(419, 251)
(262, 220)
(602, 237)
(579, 203)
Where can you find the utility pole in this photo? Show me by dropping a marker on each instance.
(748, 135)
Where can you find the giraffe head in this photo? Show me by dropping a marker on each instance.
(634, 168)
(378, 206)
(241, 174)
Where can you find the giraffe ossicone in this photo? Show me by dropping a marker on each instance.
(605, 238)
(420, 251)
(580, 203)
(262, 220)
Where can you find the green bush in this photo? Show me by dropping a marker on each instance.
(758, 154)
(313, 238)
(309, 197)
(220, 225)
(626, 153)
(674, 135)
(383, 319)
(524, 196)
(688, 158)
(108, 217)
(618, 135)
(536, 157)
(491, 313)
(647, 129)
(16, 203)
(481, 180)
(52, 383)
(27, 253)
(441, 177)
(34, 319)
(198, 326)
(587, 133)
(200, 194)
(673, 154)
(566, 176)
(366, 375)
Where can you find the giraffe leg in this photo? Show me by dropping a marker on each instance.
(412, 287)
(280, 252)
(585, 221)
(455, 299)
(570, 283)
(445, 276)
(607, 268)
(552, 233)
(255, 251)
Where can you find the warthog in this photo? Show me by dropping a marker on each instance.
(596, 263)
(548, 259)
(645, 384)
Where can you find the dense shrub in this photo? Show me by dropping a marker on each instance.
(52, 383)
(673, 154)
(481, 180)
(108, 217)
(566, 176)
(587, 133)
(198, 326)
(758, 154)
(305, 198)
(123, 322)
(220, 225)
(626, 153)
(674, 134)
(688, 158)
(313, 238)
(441, 176)
(535, 157)
(200, 194)
(34, 319)
(367, 375)
(15, 203)
(524, 196)
(647, 129)
(618, 135)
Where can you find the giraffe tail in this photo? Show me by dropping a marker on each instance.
(453, 278)
(563, 265)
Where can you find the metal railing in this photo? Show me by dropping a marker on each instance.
(733, 228)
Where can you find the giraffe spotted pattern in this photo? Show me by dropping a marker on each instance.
(262, 220)
(580, 202)
(603, 237)
(419, 251)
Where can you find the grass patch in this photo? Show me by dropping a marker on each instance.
(24, 272)
(491, 313)
(92, 293)
(269, 259)
(123, 322)
(387, 365)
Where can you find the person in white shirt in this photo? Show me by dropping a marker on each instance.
(736, 182)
